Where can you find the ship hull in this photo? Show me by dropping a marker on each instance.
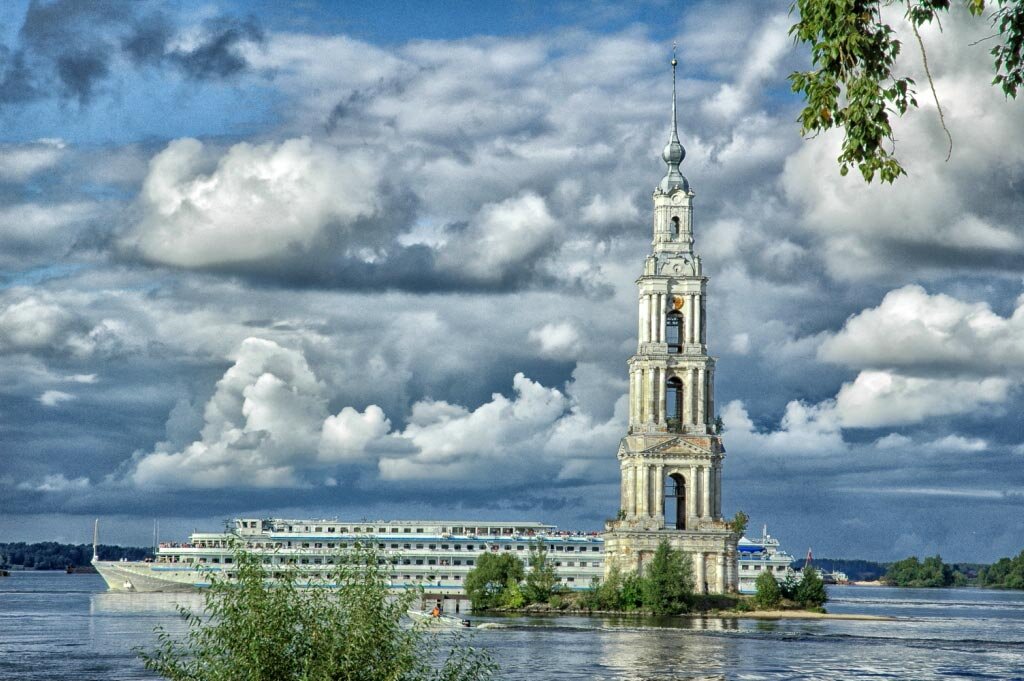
(136, 576)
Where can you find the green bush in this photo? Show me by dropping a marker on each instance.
(512, 596)
(631, 596)
(541, 580)
(667, 584)
(486, 582)
(255, 629)
(769, 594)
(810, 592)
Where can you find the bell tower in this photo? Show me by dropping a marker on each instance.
(672, 451)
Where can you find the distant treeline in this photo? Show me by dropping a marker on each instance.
(857, 570)
(1006, 573)
(51, 555)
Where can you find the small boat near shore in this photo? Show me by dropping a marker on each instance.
(441, 621)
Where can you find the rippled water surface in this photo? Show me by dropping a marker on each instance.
(58, 626)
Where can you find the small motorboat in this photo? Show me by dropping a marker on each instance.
(443, 621)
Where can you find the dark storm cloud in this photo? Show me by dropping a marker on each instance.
(68, 49)
(218, 55)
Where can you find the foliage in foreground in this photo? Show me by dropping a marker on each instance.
(255, 630)
(853, 86)
(1006, 573)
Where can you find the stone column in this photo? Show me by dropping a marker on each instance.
(718, 491)
(662, 416)
(661, 316)
(640, 320)
(711, 397)
(631, 490)
(652, 333)
(689, 318)
(632, 397)
(691, 497)
(707, 491)
(624, 486)
(659, 494)
(687, 395)
(701, 415)
(642, 492)
(655, 417)
(720, 576)
(697, 322)
(701, 572)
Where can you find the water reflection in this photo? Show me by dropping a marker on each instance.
(143, 603)
(679, 649)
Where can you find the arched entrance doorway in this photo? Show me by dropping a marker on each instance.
(675, 502)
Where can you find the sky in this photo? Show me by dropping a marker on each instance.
(378, 260)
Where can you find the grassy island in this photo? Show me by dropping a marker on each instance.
(500, 584)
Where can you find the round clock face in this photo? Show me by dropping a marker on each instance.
(678, 198)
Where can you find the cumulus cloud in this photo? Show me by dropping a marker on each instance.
(881, 398)
(261, 423)
(267, 425)
(556, 339)
(346, 435)
(912, 329)
(259, 202)
(501, 238)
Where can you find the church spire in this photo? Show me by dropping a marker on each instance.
(673, 154)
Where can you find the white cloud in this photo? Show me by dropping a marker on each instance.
(559, 340)
(56, 483)
(912, 329)
(459, 444)
(259, 201)
(51, 398)
(882, 398)
(20, 162)
(740, 343)
(33, 323)
(502, 237)
(262, 421)
(346, 435)
(762, 59)
(958, 443)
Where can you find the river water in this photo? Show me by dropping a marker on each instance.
(59, 626)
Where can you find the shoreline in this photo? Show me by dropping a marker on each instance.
(705, 614)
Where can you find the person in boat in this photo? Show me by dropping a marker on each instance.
(436, 612)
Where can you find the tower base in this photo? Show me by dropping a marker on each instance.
(713, 551)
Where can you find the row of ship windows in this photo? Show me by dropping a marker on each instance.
(757, 567)
(344, 545)
(417, 579)
(253, 524)
(405, 561)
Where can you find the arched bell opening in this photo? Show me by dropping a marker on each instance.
(675, 502)
(675, 228)
(674, 331)
(674, 404)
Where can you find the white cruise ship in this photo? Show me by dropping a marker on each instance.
(435, 554)
(762, 555)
